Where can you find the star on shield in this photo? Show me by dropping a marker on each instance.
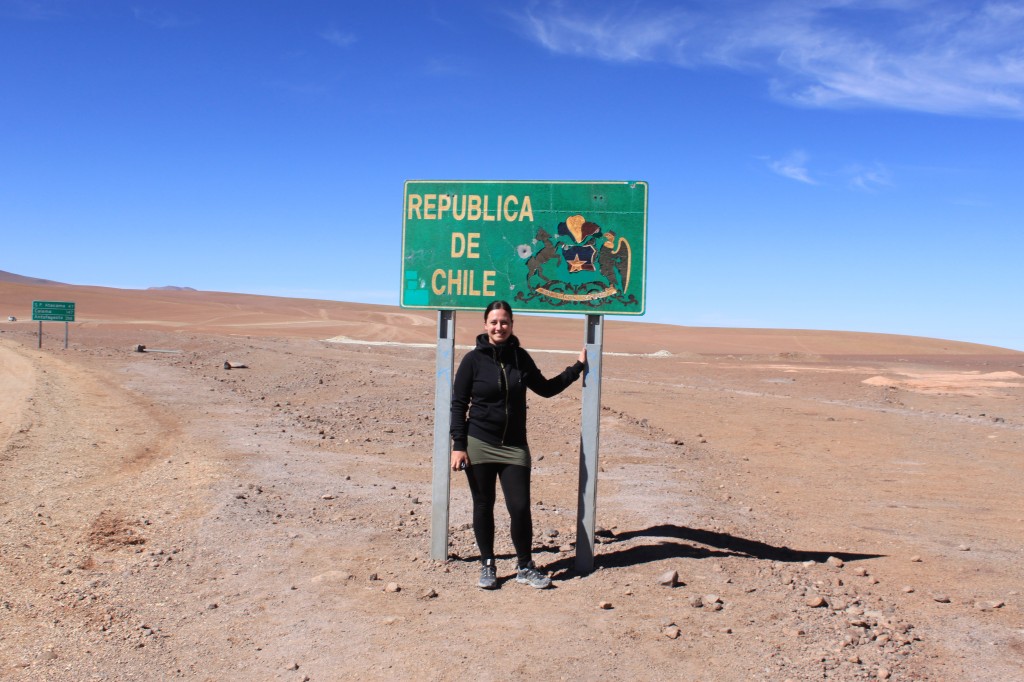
(576, 264)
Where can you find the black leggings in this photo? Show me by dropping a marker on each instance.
(515, 485)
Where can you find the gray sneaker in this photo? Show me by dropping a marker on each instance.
(488, 576)
(529, 575)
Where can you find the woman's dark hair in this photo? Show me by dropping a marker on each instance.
(498, 305)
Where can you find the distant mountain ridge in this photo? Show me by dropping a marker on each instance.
(22, 279)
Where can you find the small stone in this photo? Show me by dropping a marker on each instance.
(907, 589)
(860, 571)
(428, 593)
(941, 598)
(293, 666)
(725, 631)
(795, 632)
(854, 659)
(606, 605)
(916, 559)
(551, 533)
(988, 605)
(883, 674)
(331, 577)
(834, 561)
(328, 496)
(712, 599)
(696, 602)
(816, 602)
(669, 578)
(963, 548)
(672, 632)
(392, 587)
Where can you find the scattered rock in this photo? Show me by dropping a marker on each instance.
(963, 548)
(816, 602)
(331, 577)
(606, 605)
(860, 571)
(988, 605)
(392, 587)
(672, 632)
(428, 593)
(883, 674)
(916, 559)
(696, 601)
(941, 598)
(669, 578)
(834, 561)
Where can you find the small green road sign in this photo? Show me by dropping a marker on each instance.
(543, 246)
(53, 311)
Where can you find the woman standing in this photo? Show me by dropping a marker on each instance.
(489, 436)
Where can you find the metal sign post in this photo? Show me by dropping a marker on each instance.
(586, 512)
(442, 440)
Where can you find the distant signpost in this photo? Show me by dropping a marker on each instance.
(53, 311)
(556, 247)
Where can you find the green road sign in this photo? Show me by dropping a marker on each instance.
(543, 246)
(53, 311)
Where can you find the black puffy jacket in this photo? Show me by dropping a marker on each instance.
(491, 384)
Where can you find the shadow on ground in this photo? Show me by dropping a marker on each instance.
(692, 543)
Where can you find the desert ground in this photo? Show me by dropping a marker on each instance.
(835, 505)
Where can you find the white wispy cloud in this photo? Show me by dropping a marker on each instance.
(338, 37)
(792, 166)
(938, 56)
(869, 178)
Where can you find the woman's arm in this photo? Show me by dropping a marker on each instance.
(462, 388)
(546, 388)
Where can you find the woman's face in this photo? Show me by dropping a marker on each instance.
(498, 326)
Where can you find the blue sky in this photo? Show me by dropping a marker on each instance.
(818, 165)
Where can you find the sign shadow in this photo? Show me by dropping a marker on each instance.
(677, 542)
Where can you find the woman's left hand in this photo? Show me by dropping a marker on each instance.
(583, 355)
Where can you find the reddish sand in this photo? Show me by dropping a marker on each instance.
(166, 518)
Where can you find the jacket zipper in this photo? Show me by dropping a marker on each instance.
(504, 376)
